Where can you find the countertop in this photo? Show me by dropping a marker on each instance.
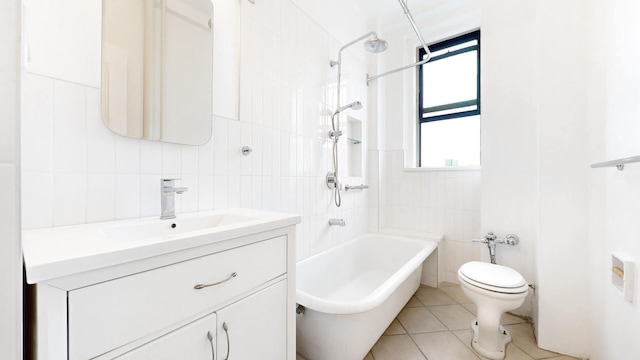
(56, 252)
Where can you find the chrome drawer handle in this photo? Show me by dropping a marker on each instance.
(226, 330)
(213, 352)
(202, 286)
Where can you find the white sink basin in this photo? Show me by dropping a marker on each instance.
(173, 227)
(56, 252)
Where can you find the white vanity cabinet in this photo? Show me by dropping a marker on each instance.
(251, 328)
(232, 299)
(193, 341)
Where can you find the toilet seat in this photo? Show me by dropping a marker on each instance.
(493, 277)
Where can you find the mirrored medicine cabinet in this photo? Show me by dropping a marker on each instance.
(157, 69)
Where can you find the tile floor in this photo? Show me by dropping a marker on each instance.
(434, 325)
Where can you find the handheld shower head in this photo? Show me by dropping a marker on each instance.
(376, 45)
(356, 105)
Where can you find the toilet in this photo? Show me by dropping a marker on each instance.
(495, 289)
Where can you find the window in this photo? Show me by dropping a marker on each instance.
(449, 103)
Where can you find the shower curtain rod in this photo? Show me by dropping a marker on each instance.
(406, 11)
(375, 77)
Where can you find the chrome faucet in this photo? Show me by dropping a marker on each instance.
(168, 198)
(340, 222)
(491, 240)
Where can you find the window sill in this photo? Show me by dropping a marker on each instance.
(445, 168)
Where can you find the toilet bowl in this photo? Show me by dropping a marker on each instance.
(495, 289)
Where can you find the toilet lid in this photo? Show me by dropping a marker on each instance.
(492, 276)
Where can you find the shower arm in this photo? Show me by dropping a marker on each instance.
(406, 11)
(339, 63)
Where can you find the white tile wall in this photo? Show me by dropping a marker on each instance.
(10, 250)
(446, 202)
(76, 171)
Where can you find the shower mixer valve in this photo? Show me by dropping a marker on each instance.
(335, 135)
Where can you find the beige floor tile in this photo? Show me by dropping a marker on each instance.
(457, 294)
(513, 352)
(564, 357)
(418, 320)
(471, 307)
(395, 328)
(454, 317)
(443, 346)
(508, 319)
(369, 357)
(298, 357)
(522, 335)
(413, 302)
(465, 336)
(396, 347)
(431, 296)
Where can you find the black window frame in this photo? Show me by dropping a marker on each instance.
(474, 35)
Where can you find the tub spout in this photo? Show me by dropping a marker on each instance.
(337, 222)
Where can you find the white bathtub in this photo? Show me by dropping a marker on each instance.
(351, 293)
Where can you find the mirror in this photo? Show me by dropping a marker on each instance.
(157, 69)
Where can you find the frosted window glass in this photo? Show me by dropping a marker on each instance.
(450, 80)
(453, 139)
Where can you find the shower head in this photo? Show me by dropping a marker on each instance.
(375, 45)
(356, 105)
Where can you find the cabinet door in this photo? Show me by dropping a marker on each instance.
(255, 327)
(194, 341)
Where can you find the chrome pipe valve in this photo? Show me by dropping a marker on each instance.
(491, 240)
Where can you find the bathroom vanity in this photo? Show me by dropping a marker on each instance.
(216, 285)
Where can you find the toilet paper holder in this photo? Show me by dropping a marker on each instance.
(622, 274)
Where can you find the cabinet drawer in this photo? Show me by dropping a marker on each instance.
(105, 316)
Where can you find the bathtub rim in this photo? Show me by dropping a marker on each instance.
(384, 290)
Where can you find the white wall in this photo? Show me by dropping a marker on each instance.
(534, 157)
(614, 209)
(509, 195)
(10, 251)
(77, 171)
(563, 174)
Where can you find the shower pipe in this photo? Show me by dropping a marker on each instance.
(374, 45)
(407, 12)
(339, 62)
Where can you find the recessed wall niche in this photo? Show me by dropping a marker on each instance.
(354, 146)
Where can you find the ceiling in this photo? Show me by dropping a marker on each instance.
(348, 19)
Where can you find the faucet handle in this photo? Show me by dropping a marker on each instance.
(490, 237)
(168, 186)
(511, 239)
(168, 182)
